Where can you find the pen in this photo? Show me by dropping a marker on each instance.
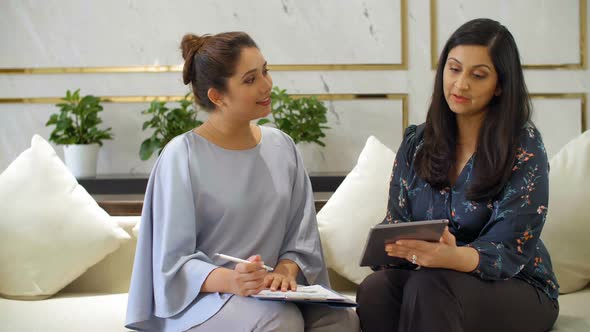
(239, 260)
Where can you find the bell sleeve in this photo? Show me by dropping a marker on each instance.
(301, 243)
(168, 272)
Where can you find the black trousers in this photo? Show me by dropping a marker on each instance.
(446, 300)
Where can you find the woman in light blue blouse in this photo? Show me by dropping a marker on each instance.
(233, 188)
(479, 162)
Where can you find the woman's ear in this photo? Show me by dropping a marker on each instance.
(498, 91)
(215, 96)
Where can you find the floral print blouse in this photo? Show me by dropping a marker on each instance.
(505, 231)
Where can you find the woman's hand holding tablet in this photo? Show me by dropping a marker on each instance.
(384, 234)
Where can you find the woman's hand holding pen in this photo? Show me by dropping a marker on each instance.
(248, 278)
(443, 254)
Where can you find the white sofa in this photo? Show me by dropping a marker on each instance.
(97, 300)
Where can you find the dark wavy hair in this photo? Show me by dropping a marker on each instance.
(505, 118)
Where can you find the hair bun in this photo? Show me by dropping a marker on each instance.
(190, 45)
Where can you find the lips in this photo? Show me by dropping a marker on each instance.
(459, 99)
(264, 102)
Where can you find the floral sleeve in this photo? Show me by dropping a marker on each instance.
(508, 241)
(398, 209)
(398, 206)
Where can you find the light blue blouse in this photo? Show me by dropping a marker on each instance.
(202, 199)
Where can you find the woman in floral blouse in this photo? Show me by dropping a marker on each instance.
(479, 162)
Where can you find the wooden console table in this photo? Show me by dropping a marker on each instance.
(131, 204)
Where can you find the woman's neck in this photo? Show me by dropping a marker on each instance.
(232, 135)
(467, 134)
(468, 127)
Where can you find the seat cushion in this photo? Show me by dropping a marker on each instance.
(106, 312)
(66, 312)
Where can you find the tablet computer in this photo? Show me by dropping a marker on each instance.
(374, 252)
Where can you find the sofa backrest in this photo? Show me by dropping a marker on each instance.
(113, 273)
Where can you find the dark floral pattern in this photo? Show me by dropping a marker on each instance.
(505, 231)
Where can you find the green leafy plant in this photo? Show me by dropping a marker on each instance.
(303, 118)
(77, 121)
(167, 124)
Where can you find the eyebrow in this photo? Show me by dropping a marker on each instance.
(253, 70)
(481, 65)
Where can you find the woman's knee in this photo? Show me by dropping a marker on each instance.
(347, 320)
(382, 286)
(430, 282)
(326, 319)
(281, 317)
(373, 285)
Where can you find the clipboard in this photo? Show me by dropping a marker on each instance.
(374, 253)
(314, 294)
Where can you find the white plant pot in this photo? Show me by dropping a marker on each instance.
(81, 159)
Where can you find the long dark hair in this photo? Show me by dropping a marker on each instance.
(505, 118)
(209, 60)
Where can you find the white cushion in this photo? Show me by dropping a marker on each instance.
(359, 203)
(135, 229)
(51, 230)
(567, 227)
(112, 274)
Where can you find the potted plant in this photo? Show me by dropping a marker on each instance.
(76, 128)
(302, 118)
(167, 123)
